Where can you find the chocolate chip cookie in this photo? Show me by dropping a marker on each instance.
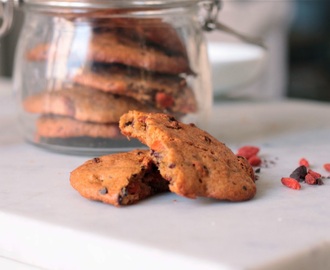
(110, 47)
(147, 30)
(195, 163)
(82, 104)
(163, 92)
(119, 179)
(51, 126)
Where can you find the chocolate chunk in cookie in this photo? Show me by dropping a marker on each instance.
(163, 92)
(82, 104)
(195, 163)
(119, 179)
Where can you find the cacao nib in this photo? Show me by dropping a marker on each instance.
(299, 173)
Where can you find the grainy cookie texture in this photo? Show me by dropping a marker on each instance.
(164, 92)
(81, 103)
(110, 47)
(52, 126)
(119, 179)
(195, 163)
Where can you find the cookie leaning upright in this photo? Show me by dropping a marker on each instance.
(195, 163)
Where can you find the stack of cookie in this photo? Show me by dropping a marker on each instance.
(122, 64)
(182, 159)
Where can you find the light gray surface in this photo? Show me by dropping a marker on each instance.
(44, 222)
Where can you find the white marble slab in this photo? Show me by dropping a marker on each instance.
(45, 223)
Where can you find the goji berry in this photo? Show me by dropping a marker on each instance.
(290, 183)
(310, 179)
(314, 174)
(304, 162)
(164, 100)
(254, 161)
(326, 166)
(248, 151)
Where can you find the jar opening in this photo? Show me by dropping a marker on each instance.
(82, 4)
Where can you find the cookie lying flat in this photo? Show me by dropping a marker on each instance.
(147, 30)
(109, 47)
(82, 104)
(119, 179)
(195, 163)
(50, 126)
(160, 91)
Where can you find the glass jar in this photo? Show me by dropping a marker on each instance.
(81, 64)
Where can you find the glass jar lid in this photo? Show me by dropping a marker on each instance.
(111, 3)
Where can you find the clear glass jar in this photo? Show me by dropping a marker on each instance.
(80, 65)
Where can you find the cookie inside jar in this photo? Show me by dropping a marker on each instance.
(83, 70)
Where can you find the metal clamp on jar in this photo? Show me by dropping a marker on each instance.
(6, 15)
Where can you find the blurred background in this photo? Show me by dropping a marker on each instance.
(296, 33)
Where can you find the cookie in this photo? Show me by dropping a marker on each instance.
(152, 32)
(119, 179)
(245, 165)
(195, 163)
(109, 47)
(148, 30)
(82, 104)
(50, 126)
(164, 92)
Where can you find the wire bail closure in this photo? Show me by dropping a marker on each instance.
(211, 23)
(6, 15)
(212, 11)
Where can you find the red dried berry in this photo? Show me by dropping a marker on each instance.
(290, 183)
(310, 180)
(248, 151)
(164, 100)
(304, 162)
(326, 166)
(254, 161)
(314, 174)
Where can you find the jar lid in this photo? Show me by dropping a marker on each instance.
(111, 3)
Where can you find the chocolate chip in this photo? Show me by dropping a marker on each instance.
(97, 160)
(103, 191)
(299, 174)
(128, 123)
(320, 182)
(257, 170)
(172, 119)
(174, 125)
(172, 165)
(244, 188)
